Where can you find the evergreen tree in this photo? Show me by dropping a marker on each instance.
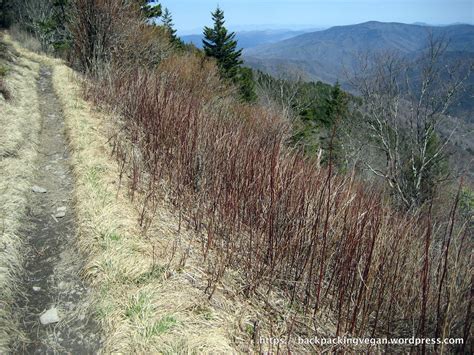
(336, 110)
(5, 13)
(221, 45)
(336, 104)
(149, 10)
(167, 21)
(246, 85)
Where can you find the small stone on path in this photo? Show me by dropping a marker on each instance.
(39, 190)
(60, 212)
(50, 316)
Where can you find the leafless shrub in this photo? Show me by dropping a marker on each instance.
(95, 28)
(324, 240)
(107, 30)
(283, 95)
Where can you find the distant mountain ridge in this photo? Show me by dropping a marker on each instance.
(249, 39)
(326, 55)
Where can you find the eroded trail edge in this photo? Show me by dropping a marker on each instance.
(56, 310)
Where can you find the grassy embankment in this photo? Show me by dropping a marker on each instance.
(20, 125)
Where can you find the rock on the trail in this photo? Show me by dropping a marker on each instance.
(60, 212)
(50, 316)
(39, 190)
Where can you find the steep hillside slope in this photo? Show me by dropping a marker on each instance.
(203, 232)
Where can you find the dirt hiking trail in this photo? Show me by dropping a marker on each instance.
(55, 308)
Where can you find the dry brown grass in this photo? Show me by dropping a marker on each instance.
(27, 40)
(145, 300)
(20, 125)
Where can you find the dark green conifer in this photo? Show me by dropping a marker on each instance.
(167, 21)
(220, 44)
(149, 10)
(246, 85)
(336, 110)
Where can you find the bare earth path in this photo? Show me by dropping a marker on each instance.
(52, 283)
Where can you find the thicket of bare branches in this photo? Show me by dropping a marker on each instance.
(102, 30)
(281, 93)
(327, 243)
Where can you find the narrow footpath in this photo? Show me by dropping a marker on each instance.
(55, 306)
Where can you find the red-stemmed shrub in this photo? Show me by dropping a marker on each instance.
(328, 242)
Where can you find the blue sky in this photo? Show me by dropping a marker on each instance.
(191, 15)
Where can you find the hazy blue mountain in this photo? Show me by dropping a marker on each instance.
(332, 55)
(249, 39)
(194, 39)
(327, 55)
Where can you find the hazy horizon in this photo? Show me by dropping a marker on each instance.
(191, 16)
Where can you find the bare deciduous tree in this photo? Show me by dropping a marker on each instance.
(282, 92)
(405, 102)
